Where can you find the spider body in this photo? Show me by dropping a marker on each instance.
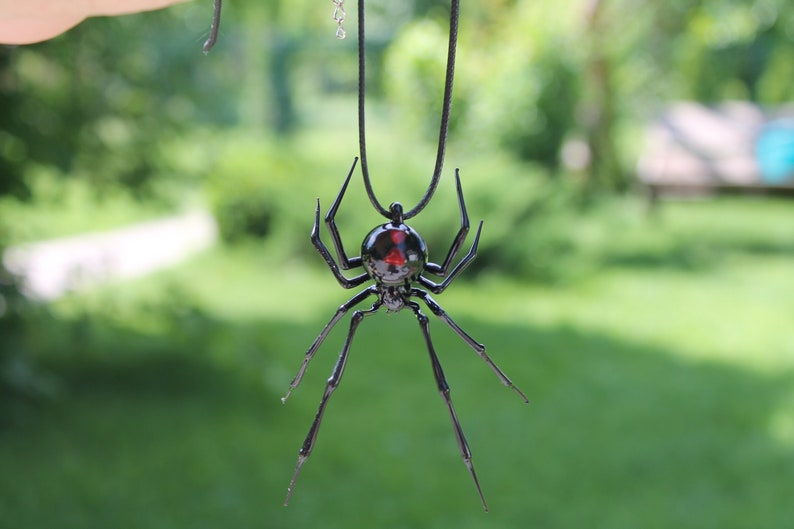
(394, 254)
(394, 257)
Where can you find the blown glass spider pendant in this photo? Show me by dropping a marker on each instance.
(394, 257)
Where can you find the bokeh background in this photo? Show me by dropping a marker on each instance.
(654, 340)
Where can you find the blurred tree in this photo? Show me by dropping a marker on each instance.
(516, 85)
(107, 99)
(100, 100)
(20, 320)
(597, 110)
(414, 77)
(283, 51)
(12, 147)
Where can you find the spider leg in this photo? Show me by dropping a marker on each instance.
(438, 288)
(344, 262)
(441, 270)
(341, 311)
(478, 347)
(330, 387)
(443, 388)
(318, 243)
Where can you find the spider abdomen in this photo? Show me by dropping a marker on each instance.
(393, 254)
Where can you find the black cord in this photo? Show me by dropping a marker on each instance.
(445, 110)
(362, 90)
(214, 28)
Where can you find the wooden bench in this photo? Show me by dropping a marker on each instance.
(696, 149)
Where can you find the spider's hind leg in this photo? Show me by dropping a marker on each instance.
(443, 388)
(474, 344)
(341, 311)
(330, 387)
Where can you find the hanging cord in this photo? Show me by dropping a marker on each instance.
(214, 27)
(442, 136)
(339, 18)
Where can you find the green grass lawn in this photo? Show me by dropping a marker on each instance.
(661, 386)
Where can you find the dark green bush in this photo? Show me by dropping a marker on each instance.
(243, 208)
(20, 319)
(244, 189)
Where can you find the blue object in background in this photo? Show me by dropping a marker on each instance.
(774, 150)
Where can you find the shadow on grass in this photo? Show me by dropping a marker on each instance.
(185, 433)
(647, 439)
(697, 255)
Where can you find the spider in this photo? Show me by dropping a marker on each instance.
(395, 258)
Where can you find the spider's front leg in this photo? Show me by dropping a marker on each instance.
(330, 387)
(437, 288)
(441, 270)
(345, 282)
(329, 260)
(344, 262)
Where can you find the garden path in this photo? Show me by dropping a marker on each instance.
(50, 269)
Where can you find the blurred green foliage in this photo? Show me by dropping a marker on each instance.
(656, 350)
(516, 93)
(123, 118)
(102, 111)
(106, 101)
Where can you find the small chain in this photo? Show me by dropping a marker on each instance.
(339, 18)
